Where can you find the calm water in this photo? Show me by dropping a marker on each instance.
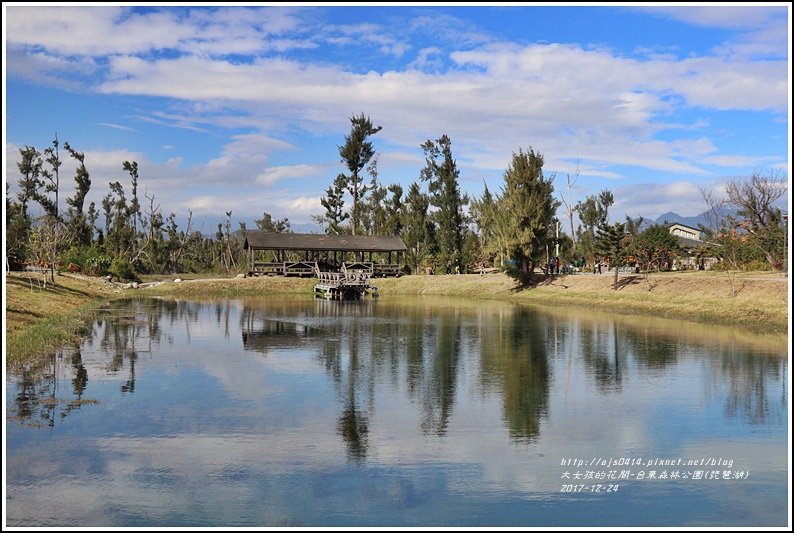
(398, 412)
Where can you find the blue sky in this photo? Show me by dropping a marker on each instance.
(243, 108)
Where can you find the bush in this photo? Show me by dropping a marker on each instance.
(122, 269)
(96, 265)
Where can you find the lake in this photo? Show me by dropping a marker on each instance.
(288, 411)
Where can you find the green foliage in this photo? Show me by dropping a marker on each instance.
(441, 173)
(122, 269)
(611, 243)
(96, 264)
(356, 154)
(419, 232)
(593, 212)
(268, 223)
(655, 248)
(528, 205)
(334, 204)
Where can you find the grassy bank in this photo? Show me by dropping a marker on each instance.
(40, 320)
(752, 299)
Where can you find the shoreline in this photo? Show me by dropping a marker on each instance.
(44, 320)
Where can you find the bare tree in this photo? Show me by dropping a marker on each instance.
(570, 207)
(47, 240)
(755, 199)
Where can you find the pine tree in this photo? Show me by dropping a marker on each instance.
(528, 203)
(356, 154)
(441, 173)
(610, 243)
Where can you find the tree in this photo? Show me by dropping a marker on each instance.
(593, 212)
(134, 209)
(17, 229)
(754, 200)
(79, 224)
(441, 173)
(52, 179)
(418, 231)
(529, 206)
(654, 247)
(30, 182)
(334, 204)
(610, 242)
(268, 223)
(356, 154)
(570, 207)
(394, 210)
(48, 238)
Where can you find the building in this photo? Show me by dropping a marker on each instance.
(693, 246)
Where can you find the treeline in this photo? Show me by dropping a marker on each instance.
(515, 228)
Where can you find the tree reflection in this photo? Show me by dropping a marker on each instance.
(514, 356)
(749, 378)
(438, 395)
(603, 353)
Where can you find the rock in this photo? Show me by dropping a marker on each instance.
(134, 284)
(109, 277)
(127, 286)
(240, 276)
(177, 280)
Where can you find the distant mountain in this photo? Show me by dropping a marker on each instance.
(673, 218)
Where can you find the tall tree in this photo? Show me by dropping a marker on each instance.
(567, 201)
(418, 232)
(79, 224)
(527, 199)
(441, 173)
(593, 212)
(356, 154)
(30, 182)
(394, 208)
(52, 176)
(134, 209)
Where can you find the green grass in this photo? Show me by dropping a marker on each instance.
(34, 344)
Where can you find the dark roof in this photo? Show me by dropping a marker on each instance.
(690, 243)
(262, 240)
(671, 224)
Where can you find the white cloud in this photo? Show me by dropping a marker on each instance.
(592, 106)
(288, 172)
(652, 199)
(301, 205)
(730, 16)
(117, 126)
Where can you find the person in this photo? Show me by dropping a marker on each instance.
(482, 268)
(449, 266)
(584, 262)
(557, 265)
(457, 267)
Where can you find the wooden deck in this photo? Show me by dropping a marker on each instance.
(349, 285)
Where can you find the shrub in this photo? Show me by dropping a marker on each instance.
(96, 265)
(122, 269)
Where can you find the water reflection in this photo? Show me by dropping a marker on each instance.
(316, 406)
(515, 362)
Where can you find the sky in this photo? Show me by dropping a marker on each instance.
(243, 108)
